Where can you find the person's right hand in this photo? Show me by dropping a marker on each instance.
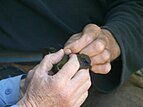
(68, 88)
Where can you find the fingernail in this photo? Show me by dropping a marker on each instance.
(68, 51)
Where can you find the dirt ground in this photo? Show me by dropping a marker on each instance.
(129, 95)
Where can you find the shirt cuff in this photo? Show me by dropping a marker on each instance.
(10, 91)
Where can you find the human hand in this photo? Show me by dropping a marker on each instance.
(67, 88)
(24, 83)
(98, 44)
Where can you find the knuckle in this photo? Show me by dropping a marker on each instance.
(107, 54)
(46, 56)
(74, 47)
(105, 57)
(49, 56)
(94, 60)
(92, 26)
(99, 46)
(88, 37)
(92, 30)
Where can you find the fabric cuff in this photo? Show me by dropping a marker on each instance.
(10, 91)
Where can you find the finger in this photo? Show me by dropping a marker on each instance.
(50, 59)
(70, 41)
(80, 78)
(80, 83)
(81, 100)
(92, 30)
(89, 34)
(101, 69)
(94, 48)
(82, 89)
(73, 38)
(101, 58)
(69, 69)
(77, 45)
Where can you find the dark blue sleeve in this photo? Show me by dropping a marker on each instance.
(124, 20)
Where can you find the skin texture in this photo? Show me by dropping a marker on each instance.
(99, 44)
(67, 88)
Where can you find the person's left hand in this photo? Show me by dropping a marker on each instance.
(99, 44)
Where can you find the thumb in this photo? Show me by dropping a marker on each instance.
(89, 34)
(50, 59)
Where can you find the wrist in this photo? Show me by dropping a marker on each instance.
(25, 103)
(22, 90)
(22, 104)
